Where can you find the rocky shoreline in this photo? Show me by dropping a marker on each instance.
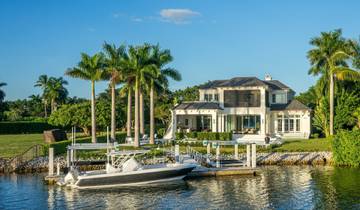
(276, 158)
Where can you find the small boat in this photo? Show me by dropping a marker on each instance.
(124, 170)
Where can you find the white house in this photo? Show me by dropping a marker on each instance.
(248, 107)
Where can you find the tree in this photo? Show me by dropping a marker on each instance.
(56, 91)
(356, 114)
(329, 58)
(42, 82)
(160, 80)
(139, 67)
(2, 93)
(115, 74)
(89, 68)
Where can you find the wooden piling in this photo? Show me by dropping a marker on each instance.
(218, 156)
(236, 155)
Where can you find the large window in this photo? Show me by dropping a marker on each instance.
(288, 123)
(243, 124)
(242, 98)
(203, 123)
(280, 98)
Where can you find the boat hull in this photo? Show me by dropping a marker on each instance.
(141, 177)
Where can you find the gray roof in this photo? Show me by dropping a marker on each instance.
(244, 82)
(197, 105)
(292, 105)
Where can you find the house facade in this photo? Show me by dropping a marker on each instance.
(247, 107)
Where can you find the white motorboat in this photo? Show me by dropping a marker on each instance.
(123, 170)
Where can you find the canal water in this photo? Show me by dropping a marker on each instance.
(277, 187)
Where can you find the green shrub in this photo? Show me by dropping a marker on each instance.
(227, 136)
(346, 148)
(179, 135)
(205, 136)
(21, 127)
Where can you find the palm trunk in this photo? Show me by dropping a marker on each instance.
(331, 126)
(45, 108)
(128, 129)
(141, 112)
(136, 136)
(152, 123)
(52, 105)
(113, 115)
(93, 116)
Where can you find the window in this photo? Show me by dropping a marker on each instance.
(280, 98)
(210, 97)
(186, 122)
(273, 98)
(206, 97)
(242, 98)
(288, 123)
(280, 121)
(267, 99)
(216, 96)
(291, 124)
(297, 124)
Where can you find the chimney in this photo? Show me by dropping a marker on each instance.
(268, 77)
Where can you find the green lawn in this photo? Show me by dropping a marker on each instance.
(11, 145)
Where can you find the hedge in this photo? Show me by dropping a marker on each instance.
(61, 146)
(21, 127)
(226, 136)
(346, 148)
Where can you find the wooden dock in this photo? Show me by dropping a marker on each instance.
(215, 172)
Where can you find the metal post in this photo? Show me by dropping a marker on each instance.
(177, 153)
(51, 161)
(68, 158)
(248, 155)
(236, 155)
(107, 142)
(58, 169)
(253, 158)
(208, 149)
(218, 156)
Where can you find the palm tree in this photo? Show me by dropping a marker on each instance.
(329, 58)
(42, 82)
(56, 90)
(128, 89)
(160, 58)
(114, 73)
(139, 66)
(2, 93)
(89, 68)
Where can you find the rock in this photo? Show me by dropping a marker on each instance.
(54, 135)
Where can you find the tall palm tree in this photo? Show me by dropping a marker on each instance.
(89, 68)
(329, 58)
(115, 74)
(43, 82)
(139, 66)
(56, 90)
(2, 93)
(127, 89)
(160, 82)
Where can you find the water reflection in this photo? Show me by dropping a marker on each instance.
(295, 187)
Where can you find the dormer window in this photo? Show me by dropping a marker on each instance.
(206, 97)
(216, 97)
(279, 98)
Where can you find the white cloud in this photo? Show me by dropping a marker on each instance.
(178, 16)
(136, 19)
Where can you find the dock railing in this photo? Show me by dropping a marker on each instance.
(31, 153)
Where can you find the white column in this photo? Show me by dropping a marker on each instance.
(218, 156)
(214, 122)
(253, 158)
(248, 155)
(51, 161)
(236, 155)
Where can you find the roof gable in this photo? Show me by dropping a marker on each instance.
(292, 105)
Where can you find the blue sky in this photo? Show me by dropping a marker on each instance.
(208, 39)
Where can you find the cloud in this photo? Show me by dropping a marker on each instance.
(118, 14)
(178, 16)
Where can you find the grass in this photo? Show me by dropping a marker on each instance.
(12, 145)
(296, 145)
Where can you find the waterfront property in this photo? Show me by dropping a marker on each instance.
(248, 107)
